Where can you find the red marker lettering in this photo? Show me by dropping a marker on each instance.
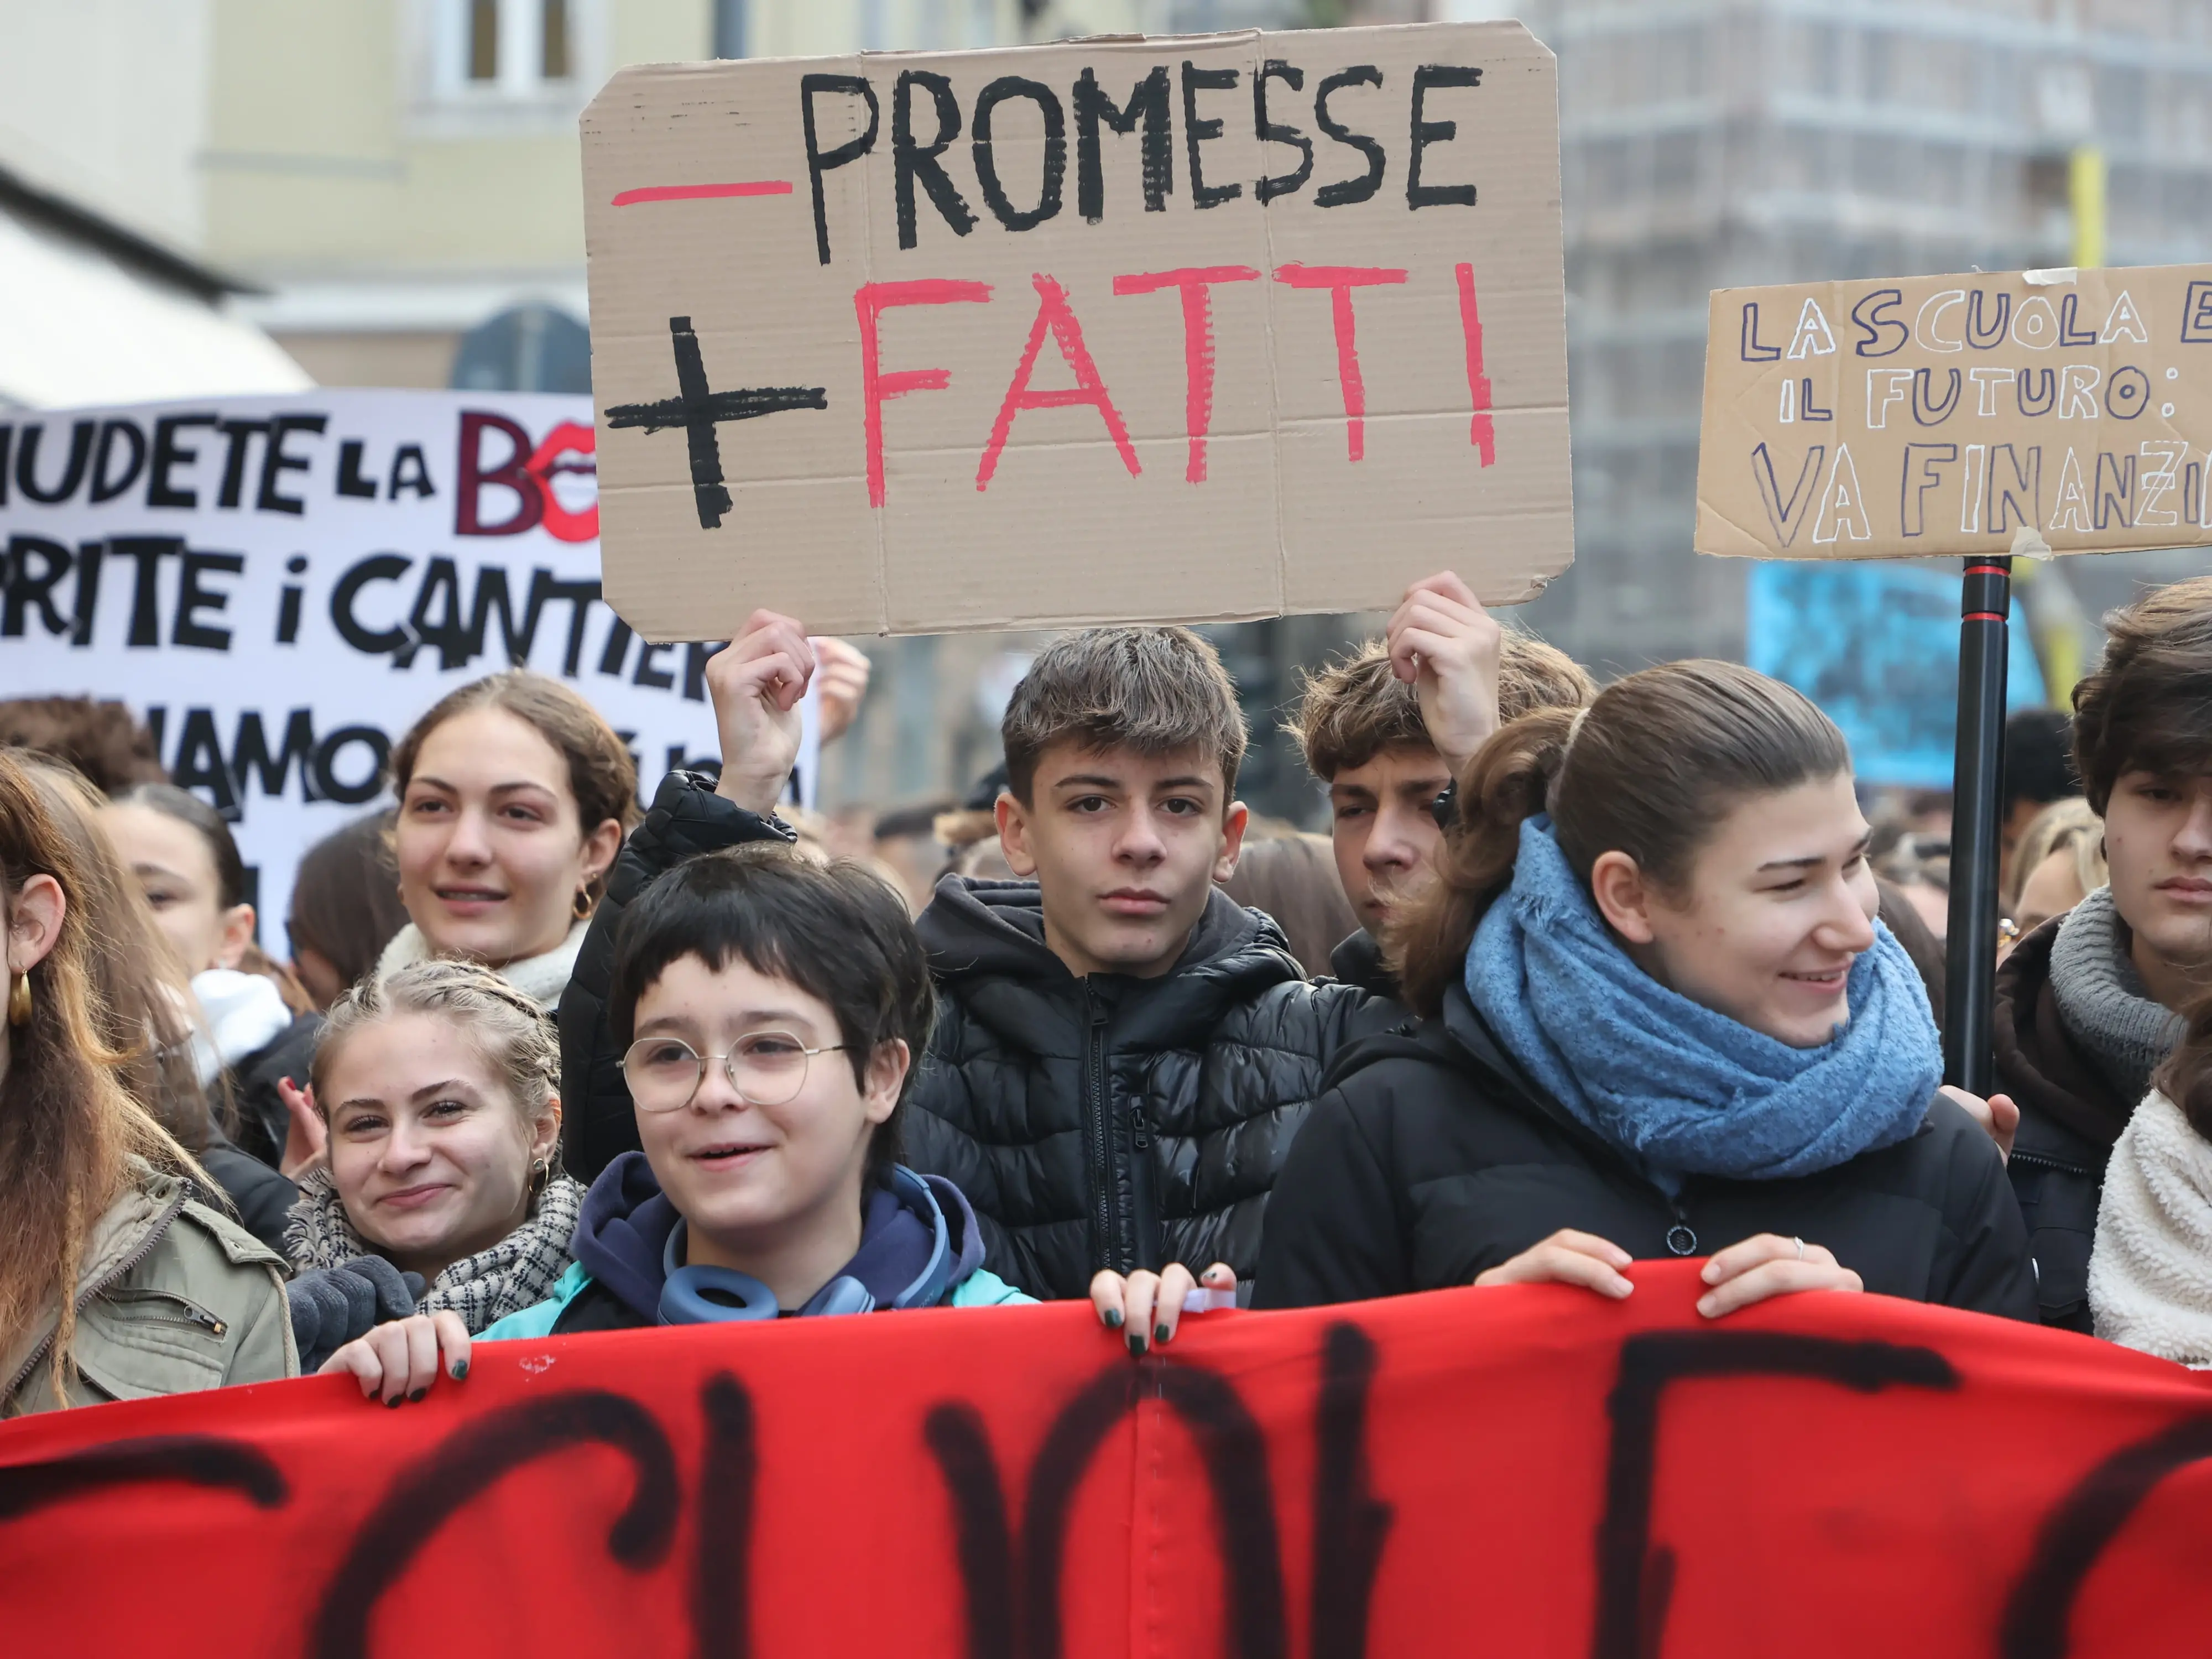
(1052, 312)
(1478, 431)
(1194, 281)
(878, 388)
(1339, 281)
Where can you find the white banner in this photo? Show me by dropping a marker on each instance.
(280, 586)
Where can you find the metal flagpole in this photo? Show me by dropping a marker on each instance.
(1977, 824)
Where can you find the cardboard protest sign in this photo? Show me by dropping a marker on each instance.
(279, 586)
(1877, 646)
(1190, 329)
(2067, 411)
(1529, 1470)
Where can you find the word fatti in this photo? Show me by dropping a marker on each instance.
(697, 410)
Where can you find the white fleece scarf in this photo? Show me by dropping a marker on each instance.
(542, 978)
(2150, 1274)
(243, 1014)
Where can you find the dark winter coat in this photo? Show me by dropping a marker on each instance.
(688, 817)
(1433, 1158)
(1109, 1121)
(263, 1121)
(1357, 960)
(262, 1198)
(2070, 1114)
(1106, 1123)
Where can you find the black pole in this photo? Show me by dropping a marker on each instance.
(1977, 825)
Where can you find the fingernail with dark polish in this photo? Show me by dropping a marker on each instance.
(1161, 1333)
(1113, 1319)
(1137, 1343)
(460, 1370)
(395, 1399)
(418, 1395)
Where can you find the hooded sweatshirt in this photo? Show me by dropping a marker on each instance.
(1109, 1121)
(919, 1246)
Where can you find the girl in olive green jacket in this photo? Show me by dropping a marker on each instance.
(114, 1283)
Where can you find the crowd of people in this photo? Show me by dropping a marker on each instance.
(1580, 977)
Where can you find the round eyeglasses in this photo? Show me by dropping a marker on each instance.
(766, 1068)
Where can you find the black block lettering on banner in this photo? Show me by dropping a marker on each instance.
(73, 470)
(148, 552)
(192, 598)
(233, 489)
(250, 756)
(722, 1571)
(35, 565)
(409, 472)
(106, 483)
(1635, 1582)
(2075, 1537)
(435, 1487)
(331, 787)
(351, 480)
(277, 459)
(1351, 1524)
(192, 1460)
(169, 454)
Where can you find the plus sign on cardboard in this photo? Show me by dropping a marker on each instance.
(1119, 330)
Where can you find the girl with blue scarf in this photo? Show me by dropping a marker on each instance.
(1660, 1019)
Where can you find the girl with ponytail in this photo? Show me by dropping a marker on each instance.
(1659, 1018)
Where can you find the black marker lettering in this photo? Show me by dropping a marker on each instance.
(1272, 132)
(1418, 195)
(818, 160)
(1346, 191)
(1195, 80)
(1148, 101)
(1055, 151)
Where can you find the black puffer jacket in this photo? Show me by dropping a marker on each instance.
(1433, 1158)
(1111, 1121)
(1357, 960)
(2070, 1114)
(688, 817)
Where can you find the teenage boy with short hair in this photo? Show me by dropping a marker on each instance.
(2089, 1004)
(1122, 1054)
(1380, 734)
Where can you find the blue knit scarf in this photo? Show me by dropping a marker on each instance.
(1680, 1089)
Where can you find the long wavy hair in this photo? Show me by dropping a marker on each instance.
(69, 1128)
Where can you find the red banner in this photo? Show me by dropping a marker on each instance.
(1526, 1471)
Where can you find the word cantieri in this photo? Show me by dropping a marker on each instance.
(1998, 487)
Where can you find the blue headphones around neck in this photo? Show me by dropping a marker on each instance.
(711, 1296)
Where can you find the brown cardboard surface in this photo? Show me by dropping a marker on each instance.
(2067, 411)
(1095, 510)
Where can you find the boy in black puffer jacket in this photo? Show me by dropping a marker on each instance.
(1122, 1054)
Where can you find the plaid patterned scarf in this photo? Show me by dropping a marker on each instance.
(515, 1273)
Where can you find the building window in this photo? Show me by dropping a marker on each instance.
(483, 39)
(504, 64)
(553, 40)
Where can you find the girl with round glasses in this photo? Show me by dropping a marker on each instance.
(769, 1077)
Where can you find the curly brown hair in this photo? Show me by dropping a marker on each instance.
(1354, 709)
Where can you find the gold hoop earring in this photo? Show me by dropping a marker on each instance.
(541, 1175)
(19, 1000)
(583, 904)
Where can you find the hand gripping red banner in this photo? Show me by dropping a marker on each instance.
(1526, 1471)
